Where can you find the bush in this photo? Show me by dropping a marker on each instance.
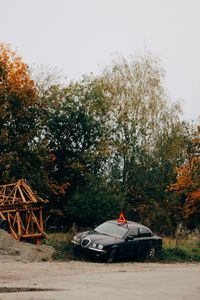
(61, 243)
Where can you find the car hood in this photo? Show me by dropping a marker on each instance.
(100, 238)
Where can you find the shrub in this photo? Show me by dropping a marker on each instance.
(62, 245)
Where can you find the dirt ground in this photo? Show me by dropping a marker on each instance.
(95, 281)
(12, 250)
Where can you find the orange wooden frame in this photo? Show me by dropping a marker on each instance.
(22, 208)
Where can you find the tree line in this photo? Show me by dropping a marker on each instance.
(99, 145)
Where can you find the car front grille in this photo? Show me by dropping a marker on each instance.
(85, 242)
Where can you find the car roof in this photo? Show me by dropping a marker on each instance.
(129, 224)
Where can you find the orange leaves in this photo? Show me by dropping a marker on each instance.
(192, 201)
(183, 179)
(59, 190)
(14, 74)
(188, 179)
(18, 117)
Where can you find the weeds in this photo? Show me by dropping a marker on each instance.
(62, 245)
(61, 242)
(184, 248)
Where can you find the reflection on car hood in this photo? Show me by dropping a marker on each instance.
(100, 238)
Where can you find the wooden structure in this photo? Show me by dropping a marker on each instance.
(22, 208)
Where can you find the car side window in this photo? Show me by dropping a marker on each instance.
(143, 232)
(133, 232)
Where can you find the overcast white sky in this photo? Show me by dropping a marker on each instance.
(82, 36)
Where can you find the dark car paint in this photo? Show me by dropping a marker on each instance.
(101, 238)
(127, 247)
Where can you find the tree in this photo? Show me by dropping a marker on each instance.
(15, 76)
(140, 138)
(18, 118)
(94, 203)
(73, 137)
(146, 135)
(187, 184)
(96, 145)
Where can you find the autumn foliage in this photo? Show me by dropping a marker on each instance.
(187, 183)
(100, 145)
(14, 74)
(17, 109)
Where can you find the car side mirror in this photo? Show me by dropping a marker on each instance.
(130, 237)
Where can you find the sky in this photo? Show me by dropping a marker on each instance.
(82, 36)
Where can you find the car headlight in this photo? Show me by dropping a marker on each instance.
(94, 245)
(100, 246)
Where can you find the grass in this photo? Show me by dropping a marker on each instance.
(62, 245)
(185, 247)
(185, 250)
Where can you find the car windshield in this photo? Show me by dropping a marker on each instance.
(112, 229)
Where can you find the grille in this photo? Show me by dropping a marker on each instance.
(85, 242)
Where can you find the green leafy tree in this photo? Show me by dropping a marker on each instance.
(94, 203)
(147, 136)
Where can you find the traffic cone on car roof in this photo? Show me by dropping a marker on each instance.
(121, 218)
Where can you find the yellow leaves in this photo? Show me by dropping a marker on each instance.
(16, 79)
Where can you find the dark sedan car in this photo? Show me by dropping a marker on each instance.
(113, 240)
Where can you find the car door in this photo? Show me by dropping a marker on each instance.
(131, 245)
(144, 239)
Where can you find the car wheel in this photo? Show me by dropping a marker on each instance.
(152, 252)
(112, 256)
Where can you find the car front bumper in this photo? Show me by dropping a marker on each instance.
(89, 251)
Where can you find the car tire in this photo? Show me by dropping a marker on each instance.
(112, 256)
(152, 252)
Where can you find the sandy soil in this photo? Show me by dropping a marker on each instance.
(12, 250)
(82, 280)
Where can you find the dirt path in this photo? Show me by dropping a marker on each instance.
(95, 281)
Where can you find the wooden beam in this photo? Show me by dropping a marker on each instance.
(36, 221)
(18, 223)
(2, 216)
(34, 235)
(21, 194)
(41, 219)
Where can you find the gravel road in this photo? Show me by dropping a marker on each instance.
(95, 281)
